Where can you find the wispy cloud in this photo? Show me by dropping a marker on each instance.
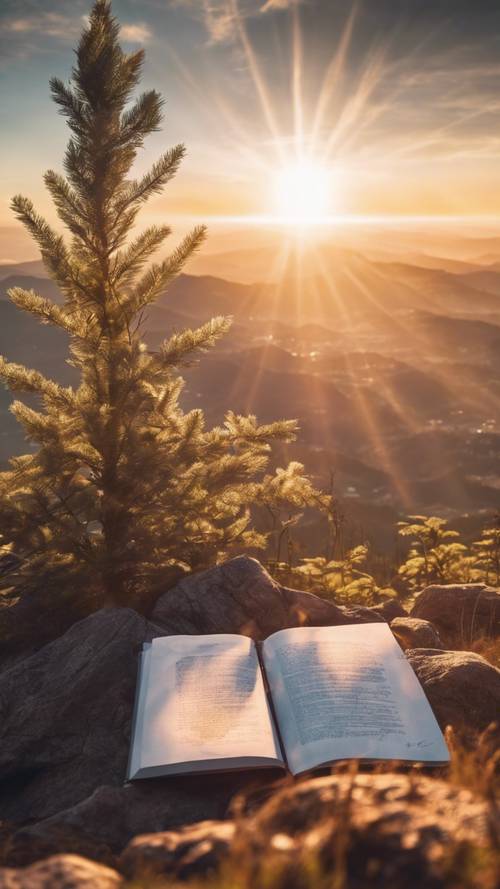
(60, 26)
(220, 17)
(49, 24)
(271, 5)
(138, 33)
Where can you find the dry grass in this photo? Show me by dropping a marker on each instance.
(260, 861)
(488, 648)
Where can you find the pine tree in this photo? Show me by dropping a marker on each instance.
(123, 485)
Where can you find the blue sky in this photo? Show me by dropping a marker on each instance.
(401, 97)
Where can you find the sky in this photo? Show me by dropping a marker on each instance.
(398, 101)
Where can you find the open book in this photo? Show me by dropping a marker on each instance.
(302, 699)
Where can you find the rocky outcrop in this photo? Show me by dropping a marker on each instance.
(196, 850)
(389, 609)
(239, 596)
(460, 613)
(380, 829)
(101, 825)
(65, 715)
(61, 872)
(462, 687)
(65, 711)
(414, 633)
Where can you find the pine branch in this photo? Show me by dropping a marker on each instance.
(69, 209)
(143, 118)
(182, 348)
(160, 173)
(159, 276)
(70, 106)
(54, 253)
(47, 311)
(20, 379)
(129, 261)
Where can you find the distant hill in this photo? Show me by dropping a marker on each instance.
(392, 370)
(34, 268)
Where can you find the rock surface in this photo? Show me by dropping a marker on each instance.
(462, 687)
(64, 732)
(383, 830)
(192, 851)
(101, 825)
(61, 872)
(460, 613)
(239, 596)
(389, 609)
(65, 715)
(414, 633)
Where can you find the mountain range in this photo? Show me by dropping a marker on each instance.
(391, 368)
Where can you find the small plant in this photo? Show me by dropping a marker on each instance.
(435, 556)
(341, 580)
(487, 554)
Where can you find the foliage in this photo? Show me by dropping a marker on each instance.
(435, 556)
(123, 486)
(487, 554)
(339, 579)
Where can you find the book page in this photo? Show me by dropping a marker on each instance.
(202, 705)
(345, 693)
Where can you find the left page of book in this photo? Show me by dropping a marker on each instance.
(201, 706)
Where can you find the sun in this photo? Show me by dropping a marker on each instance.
(303, 193)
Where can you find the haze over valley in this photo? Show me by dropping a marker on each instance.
(384, 343)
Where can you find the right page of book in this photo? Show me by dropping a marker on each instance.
(347, 693)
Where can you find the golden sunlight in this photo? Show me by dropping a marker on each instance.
(303, 193)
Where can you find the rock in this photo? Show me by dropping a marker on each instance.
(65, 715)
(65, 711)
(463, 688)
(101, 825)
(414, 633)
(31, 616)
(389, 609)
(61, 872)
(192, 851)
(239, 596)
(460, 613)
(380, 830)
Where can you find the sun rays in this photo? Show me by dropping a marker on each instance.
(304, 133)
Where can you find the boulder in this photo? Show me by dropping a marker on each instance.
(389, 609)
(380, 830)
(101, 825)
(61, 872)
(414, 633)
(461, 613)
(376, 830)
(65, 711)
(196, 850)
(239, 596)
(65, 715)
(463, 688)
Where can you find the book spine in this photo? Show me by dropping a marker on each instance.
(267, 689)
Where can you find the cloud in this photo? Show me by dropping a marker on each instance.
(64, 27)
(273, 5)
(49, 24)
(220, 17)
(138, 33)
